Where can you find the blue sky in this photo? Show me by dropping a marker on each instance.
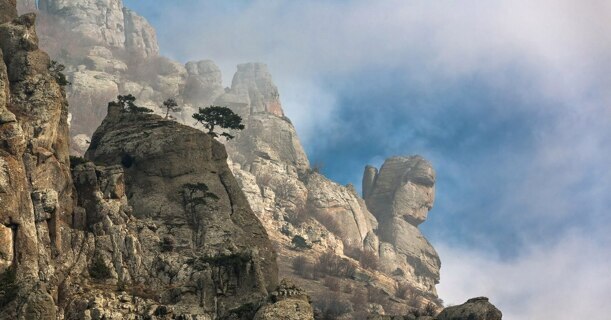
(509, 100)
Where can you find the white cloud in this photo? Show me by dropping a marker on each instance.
(569, 279)
(561, 47)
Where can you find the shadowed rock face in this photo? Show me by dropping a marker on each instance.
(178, 176)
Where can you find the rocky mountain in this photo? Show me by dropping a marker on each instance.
(153, 225)
(161, 221)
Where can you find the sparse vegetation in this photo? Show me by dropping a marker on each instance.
(300, 242)
(98, 269)
(8, 286)
(369, 260)
(170, 105)
(217, 116)
(331, 306)
(331, 264)
(168, 244)
(56, 70)
(75, 161)
(332, 283)
(330, 223)
(127, 104)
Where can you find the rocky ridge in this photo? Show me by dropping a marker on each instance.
(134, 232)
(294, 203)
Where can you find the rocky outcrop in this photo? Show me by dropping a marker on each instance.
(35, 184)
(140, 37)
(252, 84)
(287, 302)
(404, 188)
(474, 309)
(177, 177)
(303, 212)
(400, 196)
(204, 83)
(99, 20)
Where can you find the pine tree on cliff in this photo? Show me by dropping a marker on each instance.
(127, 104)
(170, 105)
(217, 116)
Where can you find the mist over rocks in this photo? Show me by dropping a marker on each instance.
(130, 211)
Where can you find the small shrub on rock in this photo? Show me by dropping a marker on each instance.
(300, 242)
(8, 286)
(331, 264)
(332, 283)
(369, 260)
(98, 269)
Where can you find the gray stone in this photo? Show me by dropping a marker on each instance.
(140, 37)
(474, 309)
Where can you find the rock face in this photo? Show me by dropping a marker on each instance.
(35, 184)
(400, 196)
(140, 37)
(473, 309)
(177, 178)
(305, 214)
(287, 302)
(158, 228)
(96, 19)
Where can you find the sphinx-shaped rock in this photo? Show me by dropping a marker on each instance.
(400, 196)
(404, 187)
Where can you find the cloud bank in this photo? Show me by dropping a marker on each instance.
(510, 100)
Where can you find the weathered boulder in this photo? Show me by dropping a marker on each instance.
(474, 309)
(341, 207)
(268, 137)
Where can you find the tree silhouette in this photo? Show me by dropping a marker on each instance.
(217, 116)
(127, 104)
(170, 105)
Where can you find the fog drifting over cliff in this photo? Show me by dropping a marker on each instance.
(510, 101)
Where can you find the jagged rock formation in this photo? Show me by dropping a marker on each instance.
(158, 228)
(304, 213)
(35, 184)
(178, 183)
(400, 196)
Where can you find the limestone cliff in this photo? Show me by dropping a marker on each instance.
(305, 214)
(36, 192)
(154, 226)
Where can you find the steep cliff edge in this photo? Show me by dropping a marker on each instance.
(35, 184)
